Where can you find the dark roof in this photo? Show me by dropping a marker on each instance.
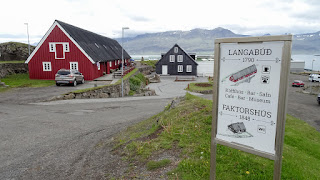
(99, 48)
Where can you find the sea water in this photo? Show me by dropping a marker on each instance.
(311, 61)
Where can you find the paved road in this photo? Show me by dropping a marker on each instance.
(30, 95)
(303, 106)
(67, 139)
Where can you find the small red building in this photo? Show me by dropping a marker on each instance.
(70, 47)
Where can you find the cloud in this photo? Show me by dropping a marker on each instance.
(138, 18)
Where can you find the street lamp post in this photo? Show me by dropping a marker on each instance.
(28, 37)
(312, 65)
(123, 28)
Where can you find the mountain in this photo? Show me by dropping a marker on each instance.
(196, 40)
(201, 41)
(306, 43)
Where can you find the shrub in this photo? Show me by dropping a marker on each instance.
(141, 77)
(134, 83)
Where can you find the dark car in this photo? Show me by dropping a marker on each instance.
(297, 83)
(318, 99)
(69, 76)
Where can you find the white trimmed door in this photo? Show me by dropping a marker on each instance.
(164, 69)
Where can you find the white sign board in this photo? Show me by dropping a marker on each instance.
(248, 94)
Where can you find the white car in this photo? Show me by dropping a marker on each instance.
(314, 77)
(67, 76)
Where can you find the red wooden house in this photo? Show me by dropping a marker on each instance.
(70, 47)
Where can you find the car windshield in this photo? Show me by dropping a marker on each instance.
(296, 81)
(63, 72)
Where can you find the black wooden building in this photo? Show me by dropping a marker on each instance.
(177, 62)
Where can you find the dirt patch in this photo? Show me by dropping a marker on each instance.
(203, 84)
(125, 169)
(152, 136)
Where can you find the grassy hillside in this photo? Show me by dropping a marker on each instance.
(13, 51)
(185, 131)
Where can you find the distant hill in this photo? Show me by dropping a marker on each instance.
(196, 40)
(10, 51)
(201, 41)
(306, 43)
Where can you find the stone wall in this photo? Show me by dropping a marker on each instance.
(13, 68)
(146, 69)
(109, 91)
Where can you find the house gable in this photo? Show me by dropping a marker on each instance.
(177, 61)
(54, 25)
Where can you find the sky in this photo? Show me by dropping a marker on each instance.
(107, 17)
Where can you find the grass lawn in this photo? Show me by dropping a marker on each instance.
(151, 63)
(23, 80)
(187, 128)
(10, 62)
(118, 82)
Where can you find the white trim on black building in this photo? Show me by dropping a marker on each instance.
(177, 62)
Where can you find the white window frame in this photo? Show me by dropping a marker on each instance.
(52, 47)
(172, 58)
(180, 68)
(176, 50)
(65, 48)
(74, 63)
(180, 58)
(189, 68)
(46, 66)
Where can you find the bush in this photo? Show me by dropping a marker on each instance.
(134, 83)
(141, 77)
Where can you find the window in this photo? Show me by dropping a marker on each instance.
(189, 68)
(175, 49)
(52, 47)
(74, 65)
(172, 58)
(180, 68)
(46, 66)
(180, 58)
(66, 47)
(98, 65)
(59, 49)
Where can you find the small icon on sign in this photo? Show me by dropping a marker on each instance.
(262, 129)
(266, 69)
(265, 79)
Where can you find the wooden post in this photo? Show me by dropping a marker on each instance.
(215, 111)
(282, 106)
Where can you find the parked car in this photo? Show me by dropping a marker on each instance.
(69, 76)
(318, 99)
(297, 83)
(314, 77)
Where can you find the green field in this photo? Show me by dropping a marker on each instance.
(23, 80)
(187, 129)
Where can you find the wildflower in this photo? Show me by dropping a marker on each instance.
(201, 152)
(201, 157)
(247, 172)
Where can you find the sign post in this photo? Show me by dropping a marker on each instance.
(249, 100)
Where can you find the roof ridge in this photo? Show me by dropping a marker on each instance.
(82, 29)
